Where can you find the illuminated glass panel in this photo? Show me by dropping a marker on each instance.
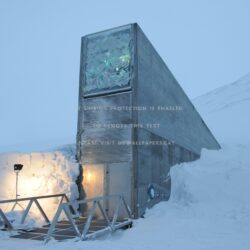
(108, 61)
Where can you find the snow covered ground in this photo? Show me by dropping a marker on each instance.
(209, 207)
(226, 111)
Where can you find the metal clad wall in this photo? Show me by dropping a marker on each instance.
(158, 87)
(93, 123)
(153, 170)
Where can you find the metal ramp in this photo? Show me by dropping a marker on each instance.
(64, 231)
(81, 228)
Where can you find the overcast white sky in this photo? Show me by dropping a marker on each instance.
(205, 43)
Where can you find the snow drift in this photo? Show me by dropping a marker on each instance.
(226, 111)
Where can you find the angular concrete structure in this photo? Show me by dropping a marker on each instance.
(134, 120)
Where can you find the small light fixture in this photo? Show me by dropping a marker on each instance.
(17, 169)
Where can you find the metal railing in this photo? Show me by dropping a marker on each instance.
(32, 200)
(111, 224)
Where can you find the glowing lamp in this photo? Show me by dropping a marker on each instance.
(89, 176)
(17, 169)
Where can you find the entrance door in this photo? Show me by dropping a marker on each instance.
(107, 179)
(118, 181)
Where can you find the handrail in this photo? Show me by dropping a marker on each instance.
(32, 200)
(110, 225)
(33, 197)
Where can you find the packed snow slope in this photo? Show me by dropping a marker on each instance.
(226, 111)
(209, 208)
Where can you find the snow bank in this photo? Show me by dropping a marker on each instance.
(42, 174)
(226, 111)
(219, 178)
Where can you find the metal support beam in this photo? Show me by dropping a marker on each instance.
(66, 210)
(5, 220)
(71, 207)
(116, 212)
(41, 210)
(53, 224)
(126, 207)
(26, 211)
(104, 214)
(89, 219)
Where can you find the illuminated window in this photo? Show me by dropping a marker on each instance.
(107, 61)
